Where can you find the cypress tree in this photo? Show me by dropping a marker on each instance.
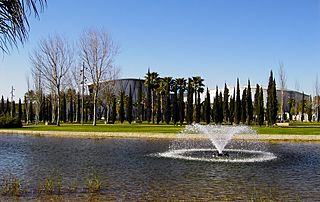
(8, 111)
(198, 107)
(71, 109)
(25, 110)
(190, 102)
(31, 114)
(2, 106)
(220, 111)
(260, 108)
(19, 110)
(149, 98)
(232, 105)
(302, 107)
(114, 109)
(13, 109)
(272, 103)
(64, 108)
(181, 104)
(243, 105)
(175, 108)
(121, 108)
(255, 105)
(309, 110)
(129, 107)
(208, 107)
(215, 108)
(159, 114)
(226, 111)
(249, 105)
(237, 107)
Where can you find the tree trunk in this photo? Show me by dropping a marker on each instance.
(94, 109)
(58, 110)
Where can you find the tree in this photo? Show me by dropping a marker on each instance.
(53, 60)
(181, 85)
(243, 106)
(175, 108)
(226, 112)
(237, 107)
(260, 109)
(220, 106)
(8, 111)
(249, 106)
(2, 110)
(255, 104)
(152, 83)
(190, 102)
(159, 114)
(26, 115)
(19, 110)
(114, 109)
(208, 107)
(197, 84)
(129, 107)
(121, 107)
(302, 107)
(64, 108)
(167, 85)
(282, 82)
(13, 109)
(139, 103)
(232, 106)
(309, 109)
(272, 103)
(97, 53)
(71, 106)
(291, 105)
(317, 99)
(14, 23)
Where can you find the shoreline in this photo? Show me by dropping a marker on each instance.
(101, 135)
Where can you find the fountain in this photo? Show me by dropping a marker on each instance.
(189, 146)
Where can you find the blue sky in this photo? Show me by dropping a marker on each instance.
(218, 40)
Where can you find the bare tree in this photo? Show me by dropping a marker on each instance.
(97, 52)
(53, 59)
(282, 84)
(38, 93)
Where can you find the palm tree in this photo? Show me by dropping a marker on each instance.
(152, 83)
(14, 25)
(168, 83)
(181, 86)
(198, 85)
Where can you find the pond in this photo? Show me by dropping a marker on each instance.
(128, 170)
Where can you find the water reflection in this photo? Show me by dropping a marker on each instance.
(129, 172)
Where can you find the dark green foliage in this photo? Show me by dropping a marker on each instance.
(13, 109)
(190, 102)
(175, 108)
(244, 105)
(309, 109)
(139, 102)
(291, 104)
(64, 108)
(71, 109)
(78, 108)
(272, 102)
(25, 110)
(208, 107)
(129, 107)
(31, 113)
(260, 108)
(181, 85)
(121, 108)
(232, 105)
(2, 110)
(303, 104)
(149, 98)
(114, 109)
(168, 103)
(237, 107)
(249, 106)
(198, 108)
(49, 109)
(6, 121)
(8, 110)
(220, 109)
(159, 114)
(19, 110)
(226, 111)
(255, 104)
(215, 108)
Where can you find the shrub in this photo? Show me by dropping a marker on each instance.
(6, 121)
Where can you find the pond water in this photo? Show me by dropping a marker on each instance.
(128, 170)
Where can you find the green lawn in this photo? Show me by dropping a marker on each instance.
(294, 129)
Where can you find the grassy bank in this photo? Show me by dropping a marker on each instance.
(294, 129)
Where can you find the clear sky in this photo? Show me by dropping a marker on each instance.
(219, 40)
